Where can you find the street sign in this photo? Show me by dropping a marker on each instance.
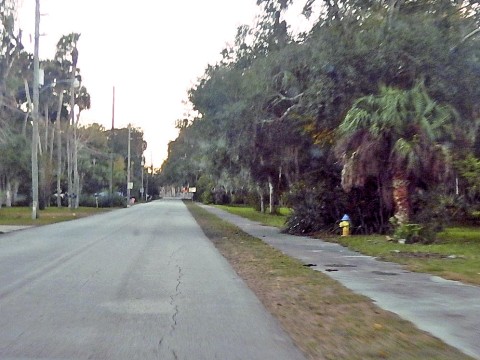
(130, 185)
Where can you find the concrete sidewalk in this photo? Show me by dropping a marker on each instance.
(447, 309)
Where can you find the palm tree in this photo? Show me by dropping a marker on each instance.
(395, 137)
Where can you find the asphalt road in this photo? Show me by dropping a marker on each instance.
(137, 283)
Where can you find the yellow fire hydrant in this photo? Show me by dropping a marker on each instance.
(345, 225)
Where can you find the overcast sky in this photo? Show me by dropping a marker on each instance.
(152, 51)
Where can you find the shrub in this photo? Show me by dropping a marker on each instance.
(204, 187)
(314, 208)
(114, 200)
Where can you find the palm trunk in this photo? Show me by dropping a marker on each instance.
(59, 151)
(69, 165)
(71, 144)
(401, 198)
(76, 179)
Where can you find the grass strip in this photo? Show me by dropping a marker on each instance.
(22, 215)
(325, 319)
(277, 220)
(454, 256)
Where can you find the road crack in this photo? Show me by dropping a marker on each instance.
(173, 299)
(174, 305)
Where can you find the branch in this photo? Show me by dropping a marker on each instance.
(283, 97)
(29, 106)
(469, 35)
(288, 111)
(465, 38)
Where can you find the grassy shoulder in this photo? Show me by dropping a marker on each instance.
(277, 220)
(22, 215)
(455, 256)
(326, 320)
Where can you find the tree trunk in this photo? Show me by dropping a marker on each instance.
(51, 142)
(2, 190)
(16, 186)
(271, 205)
(401, 198)
(59, 151)
(297, 164)
(44, 167)
(76, 179)
(46, 128)
(69, 166)
(8, 193)
(262, 199)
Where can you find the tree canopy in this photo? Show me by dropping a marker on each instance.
(375, 89)
(88, 157)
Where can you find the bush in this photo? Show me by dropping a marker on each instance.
(220, 196)
(434, 210)
(104, 201)
(204, 187)
(206, 197)
(314, 208)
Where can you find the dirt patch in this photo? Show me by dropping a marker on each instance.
(324, 319)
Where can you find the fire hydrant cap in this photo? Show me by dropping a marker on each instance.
(345, 218)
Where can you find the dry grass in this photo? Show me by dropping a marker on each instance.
(325, 320)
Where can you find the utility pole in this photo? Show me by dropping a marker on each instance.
(128, 166)
(36, 66)
(142, 190)
(146, 186)
(112, 137)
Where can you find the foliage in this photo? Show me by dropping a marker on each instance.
(315, 208)
(204, 187)
(469, 170)
(107, 201)
(71, 156)
(383, 90)
(409, 233)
